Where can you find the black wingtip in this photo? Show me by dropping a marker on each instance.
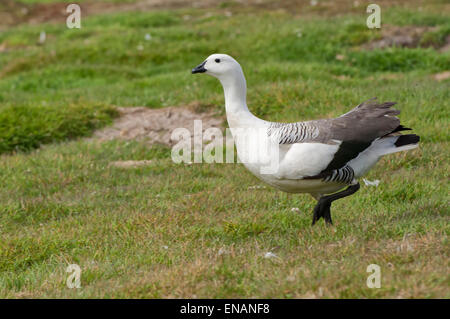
(407, 140)
(401, 128)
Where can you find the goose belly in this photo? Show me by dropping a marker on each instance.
(287, 162)
(286, 168)
(302, 185)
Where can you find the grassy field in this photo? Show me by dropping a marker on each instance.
(167, 230)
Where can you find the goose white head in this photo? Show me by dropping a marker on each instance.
(220, 66)
(230, 74)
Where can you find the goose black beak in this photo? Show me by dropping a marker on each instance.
(199, 68)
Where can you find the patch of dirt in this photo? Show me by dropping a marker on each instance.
(405, 37)
(130, 164)
(157, 125)
(446, 46)
(13, 12)
(442, 76)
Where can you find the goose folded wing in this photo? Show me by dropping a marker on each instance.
(353, 131)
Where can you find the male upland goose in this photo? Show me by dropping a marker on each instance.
(319, 157)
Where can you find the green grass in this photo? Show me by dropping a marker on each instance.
(157, 231)
(23, 128)
(65, 1)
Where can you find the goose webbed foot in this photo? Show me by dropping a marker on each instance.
(322, 209)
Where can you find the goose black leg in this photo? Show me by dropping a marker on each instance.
(323, 206)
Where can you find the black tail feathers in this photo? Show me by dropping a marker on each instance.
(407, 139)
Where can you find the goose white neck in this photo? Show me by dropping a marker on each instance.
(235, 90)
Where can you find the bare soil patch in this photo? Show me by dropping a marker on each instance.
(13, 12)
(406, 37)
(157, 125)
(130, 164)
(442, 76)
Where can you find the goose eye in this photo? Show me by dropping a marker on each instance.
(217, 60)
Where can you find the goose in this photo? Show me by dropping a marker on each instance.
(322, 157)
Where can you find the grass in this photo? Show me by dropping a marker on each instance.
(28, 127)
(63, 1)
(166, 230)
